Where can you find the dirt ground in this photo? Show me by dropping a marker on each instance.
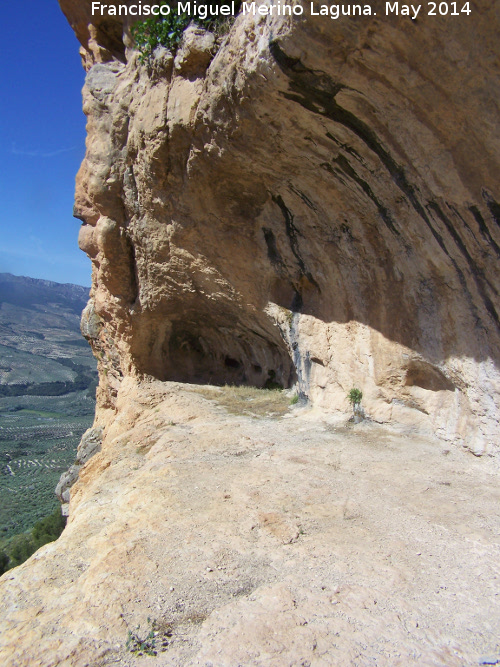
(290, 539)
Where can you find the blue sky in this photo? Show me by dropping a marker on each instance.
(42, 142)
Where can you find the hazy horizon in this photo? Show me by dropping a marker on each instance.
(15, 275)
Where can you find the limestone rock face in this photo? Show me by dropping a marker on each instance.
(89, 445)
(314, 203)
(262, 541)
(310, 203)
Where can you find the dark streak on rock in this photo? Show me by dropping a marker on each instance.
(333, 172)
(351, 173)
(316, 92)
(297, 302)
(457, 213)
(133, 273)
(483, 228)
(348, 149)
(315, 95)
(292, 232)
(272, 249)
(493, 206)
(304, 198)
(477, 274)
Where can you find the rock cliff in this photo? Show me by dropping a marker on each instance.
(314, 202)
(311, 203)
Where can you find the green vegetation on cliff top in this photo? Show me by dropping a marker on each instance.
(168, 30)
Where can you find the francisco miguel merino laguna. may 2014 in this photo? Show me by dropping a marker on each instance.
(203, 11)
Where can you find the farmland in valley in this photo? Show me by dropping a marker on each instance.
(47, 390)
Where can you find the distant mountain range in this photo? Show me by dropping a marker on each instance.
(25, 292)
(42, 351)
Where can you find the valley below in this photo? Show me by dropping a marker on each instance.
(47, 395)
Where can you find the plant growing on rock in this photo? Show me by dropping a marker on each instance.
(355, 397)
(168, 30)
(154, 641)
(146, 645)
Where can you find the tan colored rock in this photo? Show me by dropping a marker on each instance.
(314, 205)
(195, 52)
(262, 541)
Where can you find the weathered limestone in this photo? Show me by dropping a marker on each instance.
(262, 542)
(317, 204)
(89, 445)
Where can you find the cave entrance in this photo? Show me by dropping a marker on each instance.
(200, 353)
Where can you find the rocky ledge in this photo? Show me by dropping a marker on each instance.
(249, 533)
(311, 202)
(304, 203)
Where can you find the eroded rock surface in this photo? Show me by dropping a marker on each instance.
(262, 541)
(315, 202)
(90, 444)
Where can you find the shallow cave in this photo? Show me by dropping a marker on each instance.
(424, 375)
(199, 353)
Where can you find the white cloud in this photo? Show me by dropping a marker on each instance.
(39, 153)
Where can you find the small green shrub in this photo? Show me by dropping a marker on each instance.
(168, 30)
(165, 31)
(294, 400)
(147, 645)
(355, 397)
(155, 641)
